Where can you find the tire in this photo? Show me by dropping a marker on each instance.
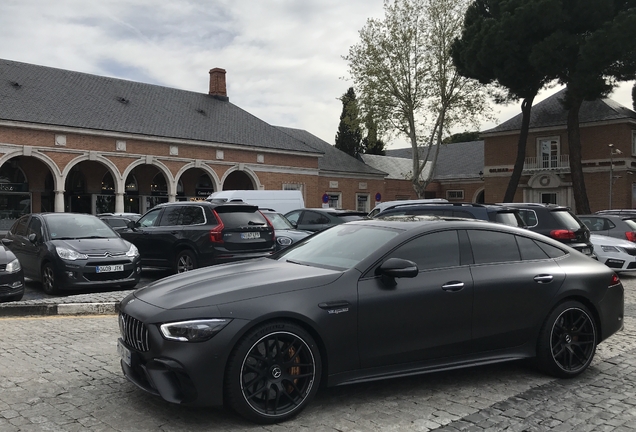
(273, 373)
(49, 284)
(567, 341)
(184, 261)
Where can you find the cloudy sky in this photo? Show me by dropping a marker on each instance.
(283, 57)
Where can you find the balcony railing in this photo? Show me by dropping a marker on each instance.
(560, 164)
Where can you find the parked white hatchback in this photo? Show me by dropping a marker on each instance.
(615, 253)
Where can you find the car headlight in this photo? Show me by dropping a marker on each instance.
(13, 266)
(69, 254)
(283, 241)
(193, 331)
(133, 252)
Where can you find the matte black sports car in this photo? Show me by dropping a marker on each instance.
(362, 301)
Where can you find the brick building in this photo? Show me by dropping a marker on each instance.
(77, 142)
(608, 141)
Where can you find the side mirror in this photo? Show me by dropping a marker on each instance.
(32, 237)
(131, 224)
(397, 268)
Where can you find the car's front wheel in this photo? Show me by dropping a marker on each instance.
(49, 283)
(567, 341)
(273, 373)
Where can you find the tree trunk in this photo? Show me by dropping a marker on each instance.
(526, 107)
(576, 167)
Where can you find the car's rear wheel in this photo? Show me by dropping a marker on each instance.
(567, 342)
(49, 284)
(273, 373)
(185, 261)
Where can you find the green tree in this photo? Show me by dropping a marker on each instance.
(371, 144)
(402, 69)
(496, 46)
(349, 135)
(461, 137)
(590, 51)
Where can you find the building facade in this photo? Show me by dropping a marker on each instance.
(608, 145)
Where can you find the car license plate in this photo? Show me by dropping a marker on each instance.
(250, 235)
(110, 268)
(124, 353)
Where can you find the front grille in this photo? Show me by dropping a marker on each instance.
(134, 332)
(630, 251)
(3, 267)
(108, 276)
(106, 254)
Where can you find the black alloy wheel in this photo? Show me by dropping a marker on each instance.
(568, 340)
(49, 285)
(274, 373)
(185, 261)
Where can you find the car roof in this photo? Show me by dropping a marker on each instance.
(536, 205)
(229, 204)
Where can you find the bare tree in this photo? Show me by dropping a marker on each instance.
(403, 70)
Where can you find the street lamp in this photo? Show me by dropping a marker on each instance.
(613, 151)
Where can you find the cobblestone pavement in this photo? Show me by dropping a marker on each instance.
(61, 373)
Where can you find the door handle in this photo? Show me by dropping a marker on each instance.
(543, 278)
(453, 286)
(334, 304)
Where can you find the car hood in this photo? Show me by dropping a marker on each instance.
(233, 282)
(90, 246)
(601, 240)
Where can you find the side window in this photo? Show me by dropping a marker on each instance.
(530, 250)
(553, 252)
(463, 214)
(150, 218)
(35, 227)
(293, 217)
(529, 217)
(313, 218)
(436, 250)
(170, 216)
(20, 227)
(596, 223)
(492, 246)
(192, 215)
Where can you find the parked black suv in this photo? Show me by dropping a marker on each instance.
(187, 235)
(488, 212)
(557, 222)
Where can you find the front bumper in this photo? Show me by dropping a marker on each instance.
(11, 285)
(179, 372)
(83, 273)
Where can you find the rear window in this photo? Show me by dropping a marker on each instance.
(631, 223)
(236, 219)
(348, 218)
(567, 220)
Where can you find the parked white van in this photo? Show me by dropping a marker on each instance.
(383, 205)
(282, 201)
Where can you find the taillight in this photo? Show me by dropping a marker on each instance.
(615, 280)
(216, 233)
(631, 236)
(271, 227)
(562, 234)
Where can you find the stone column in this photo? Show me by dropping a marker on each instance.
(59, 201)
(172, 198)
(119, 202)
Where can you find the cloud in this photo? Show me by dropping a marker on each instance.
(283, 57)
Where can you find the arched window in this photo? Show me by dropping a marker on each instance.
(159, 187)
(108, 184)
(131, 184)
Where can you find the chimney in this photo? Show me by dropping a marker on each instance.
(217, 84)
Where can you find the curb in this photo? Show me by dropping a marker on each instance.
(108, 308)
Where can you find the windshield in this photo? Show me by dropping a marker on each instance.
(67, 226)
(278, 221)
(341, 247)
